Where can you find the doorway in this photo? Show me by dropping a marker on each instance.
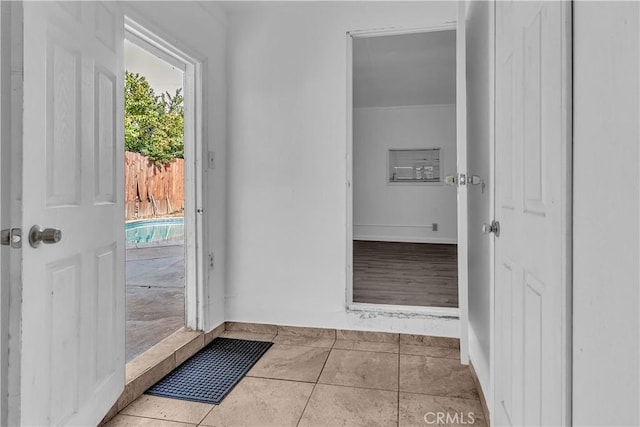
(154, 199)
(403, 243)
(163, 229)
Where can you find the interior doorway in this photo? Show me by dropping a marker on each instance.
(163, 261)
(404, 233)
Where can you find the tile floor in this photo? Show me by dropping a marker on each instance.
(321, 381)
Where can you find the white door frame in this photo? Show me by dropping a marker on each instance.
(192, 68)
(11, 89)
(445, 312)
(463, 201)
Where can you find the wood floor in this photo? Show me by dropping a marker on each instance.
(419, 274)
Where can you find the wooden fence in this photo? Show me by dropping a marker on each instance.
(152, 190)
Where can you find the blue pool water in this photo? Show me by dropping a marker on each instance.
(155, 231)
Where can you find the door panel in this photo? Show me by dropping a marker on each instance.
(73, 291)
(531, 169)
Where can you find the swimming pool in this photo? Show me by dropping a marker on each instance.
(154, 231)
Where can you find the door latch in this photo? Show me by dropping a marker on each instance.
(494, 228)
(11, 237)
(459, 179)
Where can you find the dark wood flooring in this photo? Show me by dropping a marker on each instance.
(418, 274)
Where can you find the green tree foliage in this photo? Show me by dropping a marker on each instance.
(154, 125)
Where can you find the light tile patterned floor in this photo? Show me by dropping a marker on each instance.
(317, 381)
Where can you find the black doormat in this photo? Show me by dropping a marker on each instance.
(210, 374)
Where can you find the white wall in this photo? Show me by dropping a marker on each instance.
(402, 212)
(606, 253)
(200, 30)
(479, 137)
(286, 160)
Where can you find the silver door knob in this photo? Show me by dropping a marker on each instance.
(39, 234)
(494, 227)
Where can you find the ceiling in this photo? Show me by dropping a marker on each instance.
(404, 70)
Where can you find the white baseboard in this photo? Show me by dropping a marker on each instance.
(401, 239)
(480, 364)
(401, 233)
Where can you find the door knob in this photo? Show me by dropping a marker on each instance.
(39, 234)
(494, 228)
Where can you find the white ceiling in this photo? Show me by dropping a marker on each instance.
(402, 70)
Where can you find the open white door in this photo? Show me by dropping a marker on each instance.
(73, 291)
(461, 150)
(532, 205)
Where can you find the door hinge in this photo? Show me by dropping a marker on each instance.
(11, 237)
(212, 261)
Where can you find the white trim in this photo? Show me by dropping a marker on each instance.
(411, 310)
(193, 149)
(381, 308)
(12, 89)
(4, 295)
(566, 205)
(394, 31)
(394, 225)
(461, 152)
(490, 393)
(401, 239)
(349, 178)
(406, 107)
(479, 362)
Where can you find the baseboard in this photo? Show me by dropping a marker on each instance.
(403, 233)
(405, 239)
(483, 401)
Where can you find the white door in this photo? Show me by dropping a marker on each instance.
(73, 291)
(532, 169)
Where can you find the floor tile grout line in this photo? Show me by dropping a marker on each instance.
(281, 379)
(156, 419)
(358, 387)
(434, 357)
(364, 351)
(440, 395)
(398, 413)
(207, 414)
(314, 388)
(306, 404)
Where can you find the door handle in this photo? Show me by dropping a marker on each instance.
(39, 234)
(494, 228)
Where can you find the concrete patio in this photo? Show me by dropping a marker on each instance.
(155, 296)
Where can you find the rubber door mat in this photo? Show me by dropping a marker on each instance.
(210, 374)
